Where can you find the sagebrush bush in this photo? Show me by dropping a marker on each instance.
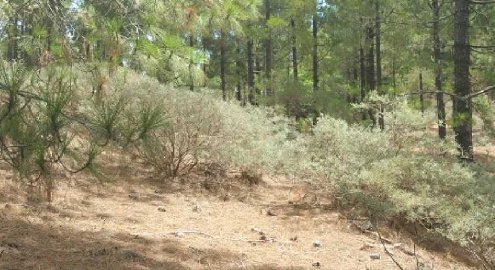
(252, 138)
(408, 174)
(188, 137)
(402, 171)
(175, 130)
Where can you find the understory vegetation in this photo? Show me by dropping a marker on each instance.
(387, 106)
(402, 172)
(399, 173)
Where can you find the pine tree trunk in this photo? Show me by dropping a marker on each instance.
(437, 55)
(316, 111)
(268, 51)
(222, 65)
(315, 52)
(257, 72)
(250, 73)
(421, 96)
(378, 42)
(191, 64)
(370, 73)
(239, 73)
(295, 68)
(394, 76)
(12, 47)
(462, 86)
(205, 48)
(362, 66)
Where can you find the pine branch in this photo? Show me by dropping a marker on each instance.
(482, 46)
(476, 2)
(429, 92)
(467, 97)
(484, 91)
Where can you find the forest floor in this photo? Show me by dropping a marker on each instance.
(135, 222)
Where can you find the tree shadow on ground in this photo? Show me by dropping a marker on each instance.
(25, 245)
(28, 245)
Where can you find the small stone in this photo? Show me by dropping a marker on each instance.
(366, 226)
(180, 234)
(317, 264)
(375, 256)
(162, 209)
(293, 239)
(197, 208)
(272, 213)
(317, 243)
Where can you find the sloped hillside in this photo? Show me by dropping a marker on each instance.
(137, 222)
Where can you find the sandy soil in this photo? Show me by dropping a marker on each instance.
(210, 223)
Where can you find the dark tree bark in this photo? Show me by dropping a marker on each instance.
(295, 68)
(204, 43)
(378, 43)
(421, 96)
(362, 66)
(370, 72)
(268, 51)
(257, 71)
(462, 85)
(223, 61)
(394, 76)
(191, 64)
(437, 56)
(315, 52)
(12, 46)
(250, 73)
(239, 69)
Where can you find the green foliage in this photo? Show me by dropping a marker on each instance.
(296, 99)
(253, 138)
(486, 110)
(175, 131)
(276, 22)
(48, 119)
(393, 174)
(40, 129)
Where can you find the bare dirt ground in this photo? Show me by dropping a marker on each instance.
(134, 222)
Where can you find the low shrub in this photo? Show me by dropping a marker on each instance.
(188, 137)
(407, 175)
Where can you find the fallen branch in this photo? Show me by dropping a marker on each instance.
(182, 233)
(406, 251)
(388, 246)
(375, 234)
(389, 253)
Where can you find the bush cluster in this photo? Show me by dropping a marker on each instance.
(401, 172)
